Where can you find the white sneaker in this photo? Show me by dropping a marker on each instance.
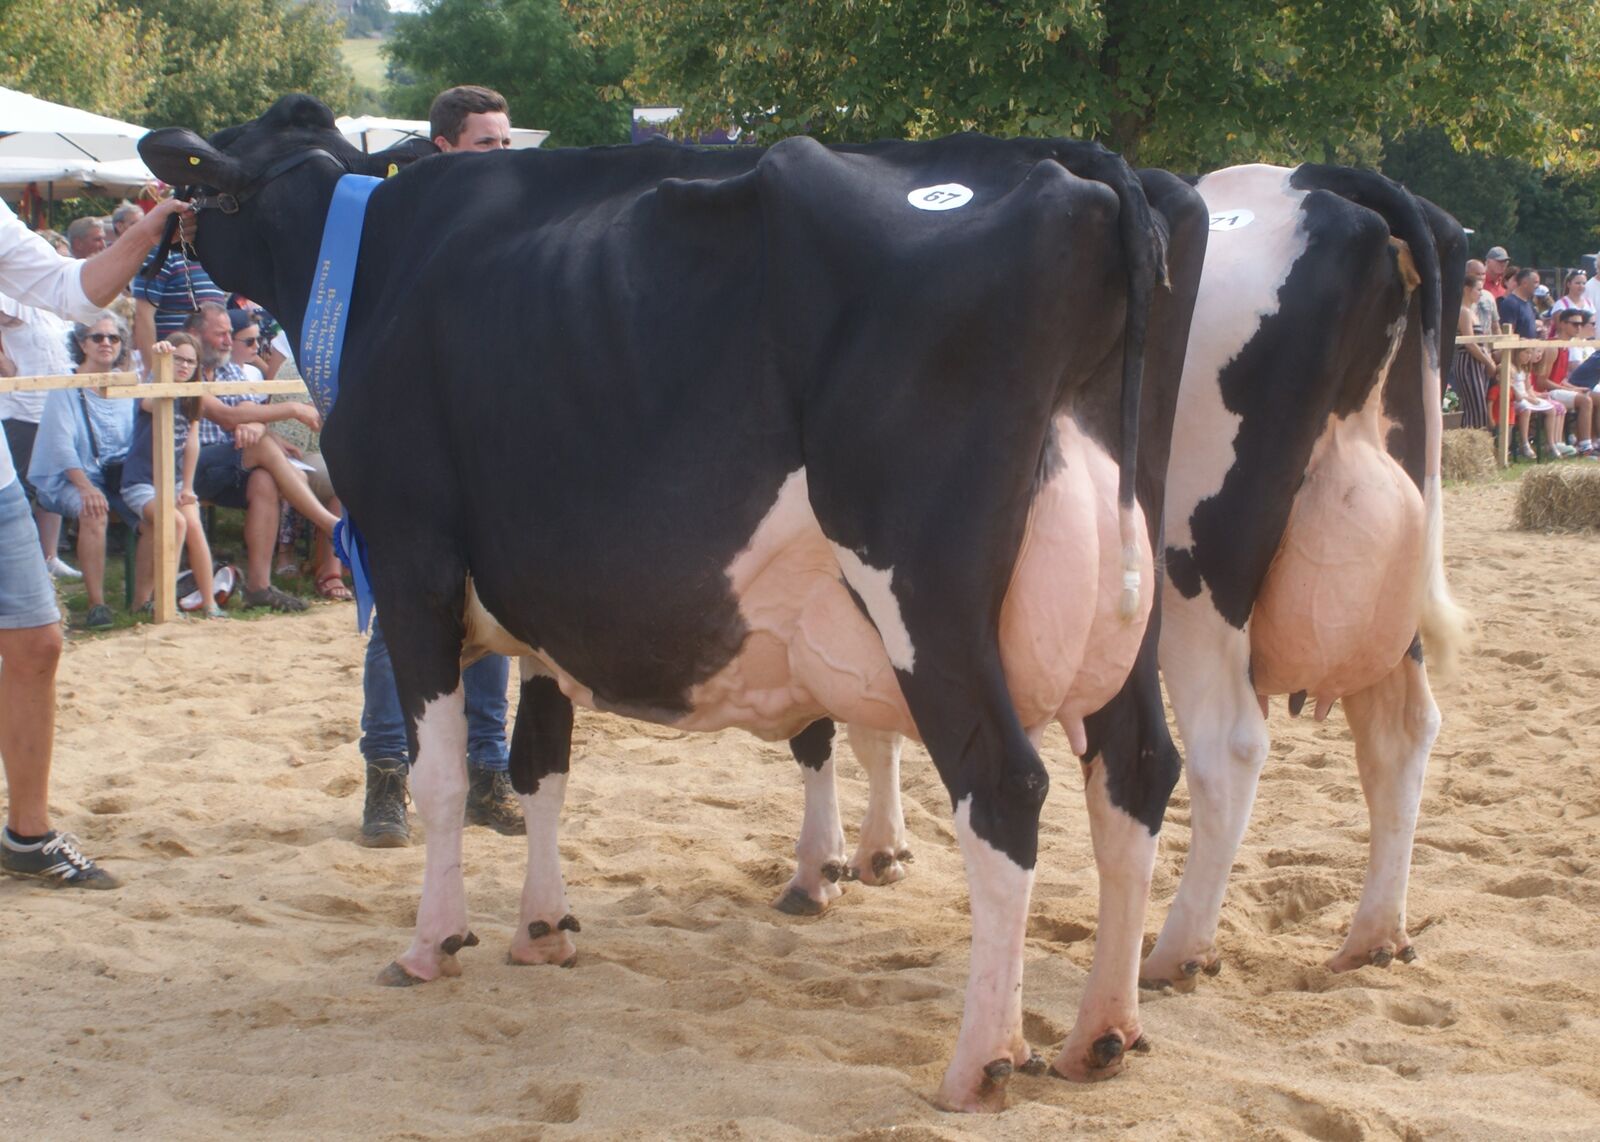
(60, 570)
(1564, 450)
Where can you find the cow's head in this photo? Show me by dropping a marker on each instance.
(262, 191)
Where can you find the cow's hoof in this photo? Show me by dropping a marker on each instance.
(396, 976)
(539, 943)
(884, 866)
(1183, 976)
(988, 1097)
(796, 902)
(1380, 956)
(1100, 1060)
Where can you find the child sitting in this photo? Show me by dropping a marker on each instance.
(1525, 403)
(138, 476)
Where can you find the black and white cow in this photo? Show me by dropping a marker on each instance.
(1304, 529)
(808, 433)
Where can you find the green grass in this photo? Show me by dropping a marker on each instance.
(227, 543)
(366, 61)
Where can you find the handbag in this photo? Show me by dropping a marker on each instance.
(110, 470)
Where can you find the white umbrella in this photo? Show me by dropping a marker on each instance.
(60, 179)
(372, 133)
(37, 129)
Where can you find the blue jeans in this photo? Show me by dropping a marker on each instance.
(383, 727)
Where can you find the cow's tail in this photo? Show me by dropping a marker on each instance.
(1435, 240)
(1143, 235)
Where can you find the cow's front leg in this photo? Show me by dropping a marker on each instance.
(1394, 724)
(541, 749)
(819, 851)
(882, 852)
(439, 789)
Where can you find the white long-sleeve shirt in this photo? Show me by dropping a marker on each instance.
(35, 274)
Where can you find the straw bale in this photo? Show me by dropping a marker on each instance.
(1466, 454)
(1559, 497)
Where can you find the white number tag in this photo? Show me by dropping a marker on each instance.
(945, 196)
(1231, 219)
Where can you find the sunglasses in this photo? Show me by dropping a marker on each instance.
(105, 338)
(247, 340)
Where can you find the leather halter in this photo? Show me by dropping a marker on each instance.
(229, 203)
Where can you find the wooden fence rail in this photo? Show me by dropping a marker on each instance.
(163, 393)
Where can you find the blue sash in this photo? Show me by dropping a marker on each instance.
(322, 343)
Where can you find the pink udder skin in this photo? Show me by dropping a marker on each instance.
(1344, 594)
(812, 653)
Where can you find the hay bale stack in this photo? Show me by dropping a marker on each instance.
(1466, 454)
(1560, 497)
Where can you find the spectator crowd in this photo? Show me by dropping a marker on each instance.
(1552, 388)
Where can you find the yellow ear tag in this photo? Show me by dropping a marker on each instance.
(394, 169)
(194, 160)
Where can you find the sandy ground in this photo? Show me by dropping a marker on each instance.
(228, 987)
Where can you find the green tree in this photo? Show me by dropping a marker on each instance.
(530, 51)
(223, 62)
(1167, 82)
(1541, 218)
(84, 53)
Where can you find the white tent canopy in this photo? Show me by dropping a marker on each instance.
(59, 179)
(372, 133)
(37, 129)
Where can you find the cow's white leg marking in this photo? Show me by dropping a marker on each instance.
(439, 789)
(875, 588)
(819, 850)
(882, 851)
(1108, 1014)
(544, 924)
(1206, 665)
(991, 1022)
(1394, 724)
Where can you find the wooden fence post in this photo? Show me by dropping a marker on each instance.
(164, 547)
(1505, 406)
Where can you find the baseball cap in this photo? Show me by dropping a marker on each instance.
(1541, 291)
(1497, 254)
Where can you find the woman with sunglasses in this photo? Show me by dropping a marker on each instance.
(138, 475)
(77, 456)
(1550, 375)
(1572, 292)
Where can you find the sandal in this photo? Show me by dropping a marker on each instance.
(331, 587)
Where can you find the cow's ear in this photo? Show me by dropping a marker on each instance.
(398, 157)
(179, 157)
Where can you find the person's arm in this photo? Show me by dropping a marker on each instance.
(144, 328)
(8, 367)
(105, 274)
(269, 362)
(231, 417)
(191, 461)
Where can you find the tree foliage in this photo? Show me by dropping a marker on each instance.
(84, 53)
(203, 64)
(1542, 218)
(1167, 82)
(222, 62)
(529, 50)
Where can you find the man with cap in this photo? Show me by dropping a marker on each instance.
(1494, 277)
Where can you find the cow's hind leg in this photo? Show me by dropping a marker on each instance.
(881, 852)
(541, 747)
(1130, 768)
(1394, 724)
(1206, 663)
(819, 851)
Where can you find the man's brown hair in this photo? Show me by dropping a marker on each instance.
(452, 106)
